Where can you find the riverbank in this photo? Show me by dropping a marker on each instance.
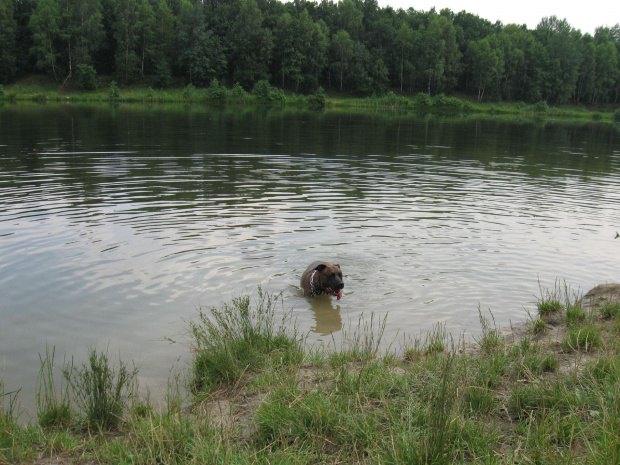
(545, 391)
(41, 89)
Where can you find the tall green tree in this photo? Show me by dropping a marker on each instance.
(126, 35)
(250, 44)
(201, 54)
(8, 49)
(81, 33)
(404, 42)
(165, 29)
(485, 64)
(342, 52)
(561, 68)
(45, 27)
(438, 54)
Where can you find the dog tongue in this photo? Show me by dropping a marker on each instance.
(339, 294)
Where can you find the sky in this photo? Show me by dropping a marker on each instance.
(585, 16)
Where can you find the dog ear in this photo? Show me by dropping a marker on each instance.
(337, 266)
(321, 267)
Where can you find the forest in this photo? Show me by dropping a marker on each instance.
(348, 47)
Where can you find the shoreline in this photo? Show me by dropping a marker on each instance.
(540, 391)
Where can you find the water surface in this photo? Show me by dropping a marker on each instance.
(117, 222)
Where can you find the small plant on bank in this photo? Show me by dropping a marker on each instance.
(114, 92)
(266, 93)
(538, 326)
(216, 91)
(238, 92)
(53, 407)
(610, 310)
(540, 107)
(491, 337)
(575, 314)
(101, 391)
(549, 307)
(583, 338)
(435, 340)
(318, 98)
(86, 77)
(189, 91)
(617, 117)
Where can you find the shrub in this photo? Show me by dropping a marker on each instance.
(610, 310)
(617, 115)
(266, 93)
(86, 77)
(53, 409)
(318, 98)
(189, 91)
(584, 338)
(237, 92)
(422, 101)
(101, 391)
(115, 92)
(216, 91)
(540, 107)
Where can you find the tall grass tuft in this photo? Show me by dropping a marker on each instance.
(241, 337)
(363, 343)
(101, 391)
(53, 407)
(424, 435)
(491, 337)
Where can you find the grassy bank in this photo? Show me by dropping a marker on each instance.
(545, 392)
(41, 89)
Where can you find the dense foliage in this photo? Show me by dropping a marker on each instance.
(351, 46)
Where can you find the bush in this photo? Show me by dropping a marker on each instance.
(86, 77)
(189, 92)
(422, 101)
(115, 92)
(540, 107)
(617, 116)
(101, 391)
(266, 93)
(318, 98)
(216, 91)
(237, 92)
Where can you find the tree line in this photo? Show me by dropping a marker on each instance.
(353, 47)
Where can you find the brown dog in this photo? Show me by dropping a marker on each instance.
(322, 278)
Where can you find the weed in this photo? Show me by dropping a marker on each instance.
(436, 339)
(575, 314)
(53, 408)
(583, 338)
(610, 310)
(538, 326)
(491, 337)
(101, 391)
(363, 343)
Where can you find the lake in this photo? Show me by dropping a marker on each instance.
(118, 222)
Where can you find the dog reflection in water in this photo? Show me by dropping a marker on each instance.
(326, 316)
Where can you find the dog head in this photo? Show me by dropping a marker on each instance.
(329, 279)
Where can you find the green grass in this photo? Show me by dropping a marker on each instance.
(264, 397)
(39, 88)
(241, 338)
